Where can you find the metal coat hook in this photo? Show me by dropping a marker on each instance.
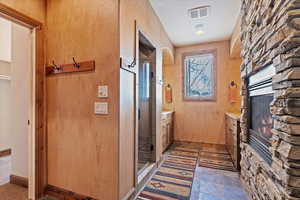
(55, 66)
(75, 63)
(232, 84)
(133, 63)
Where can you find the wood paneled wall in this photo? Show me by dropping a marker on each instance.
(32, 8)
(82, 146)
(203, 121)
(127, 135)
(150, 25)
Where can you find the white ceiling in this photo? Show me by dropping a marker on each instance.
(218, 26)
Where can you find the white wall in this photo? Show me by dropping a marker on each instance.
(5, 122)
(14, 98)
(20, 93)
(5, 96)
(5, 40)
(5, 169)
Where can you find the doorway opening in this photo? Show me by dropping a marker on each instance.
(17, 107)
(146, 106)
(22, 119)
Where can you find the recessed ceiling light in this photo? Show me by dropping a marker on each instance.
(199, 29)
(200, 32)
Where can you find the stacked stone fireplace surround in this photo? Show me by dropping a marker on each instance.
(270, 34)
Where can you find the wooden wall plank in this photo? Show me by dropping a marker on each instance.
(141, 13)
(17, 180)
(32, 8)
(64, 194)
(83, 147)
(127, 134)
(6, 152)
(40, 115)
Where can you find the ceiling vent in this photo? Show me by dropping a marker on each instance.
(199, 12)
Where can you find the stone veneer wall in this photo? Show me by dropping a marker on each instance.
(271, 35)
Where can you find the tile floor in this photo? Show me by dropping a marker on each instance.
(213, 184)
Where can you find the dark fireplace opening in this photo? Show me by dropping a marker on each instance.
(261, 124)
(261, 121)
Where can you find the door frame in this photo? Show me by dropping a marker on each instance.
(124, 66)
(37, 144)
(138, 31)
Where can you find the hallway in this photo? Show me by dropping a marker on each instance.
(150, 99)
(206, 184)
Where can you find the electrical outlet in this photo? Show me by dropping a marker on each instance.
(102, 91)
(101, 108)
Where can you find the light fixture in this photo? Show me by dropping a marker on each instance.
(200, 32)
(199, 29)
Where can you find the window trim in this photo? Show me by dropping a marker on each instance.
(215, 65)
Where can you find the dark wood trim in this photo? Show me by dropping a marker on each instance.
(71, 68)
(18, 17)
(18, 180)
(60, 193)
(40, 88)
(6, 152)
(214, 97)
(40, 116)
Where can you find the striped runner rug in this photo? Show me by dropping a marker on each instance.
(174, 179)
(215, 160)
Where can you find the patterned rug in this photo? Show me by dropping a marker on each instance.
(174, 179)
(216, 160)
(185, 149)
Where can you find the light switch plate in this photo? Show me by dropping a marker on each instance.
(101, 108)
(102, 91)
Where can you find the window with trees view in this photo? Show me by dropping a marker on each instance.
(200, 76)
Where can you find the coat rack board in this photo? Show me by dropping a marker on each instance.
(70, 68)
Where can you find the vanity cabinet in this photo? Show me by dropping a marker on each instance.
(167, 133)
(233, 130)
